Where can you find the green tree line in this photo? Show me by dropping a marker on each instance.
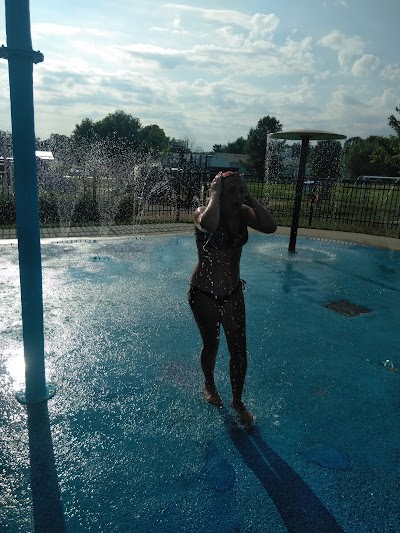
(374, 156)
(121, 133)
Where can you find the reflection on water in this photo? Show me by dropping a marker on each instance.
(15, 366)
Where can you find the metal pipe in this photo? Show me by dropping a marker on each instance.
(20, 66)
(299, 193)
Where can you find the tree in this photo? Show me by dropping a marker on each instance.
(351, 142)
(296, 150)
(386, 155)
(256, 143)
(178, 149)
(326, 165)
(85, 131)
(235, 147)
(274, 165)
(374, 156)
(153, 139)
(217, 147)
(395, 160)
(57, 144)
(6, 146)
(394, 122)
(326, 161)
(120, 131)
(7, 205)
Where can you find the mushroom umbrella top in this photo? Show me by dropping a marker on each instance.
(312, 135)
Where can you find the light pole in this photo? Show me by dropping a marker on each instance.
(305, 136)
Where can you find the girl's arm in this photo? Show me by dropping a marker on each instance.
(257, 216)
(208, 218)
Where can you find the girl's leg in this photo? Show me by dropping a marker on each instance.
(234, 323)
(207, 316)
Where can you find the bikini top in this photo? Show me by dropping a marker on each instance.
(223, 238)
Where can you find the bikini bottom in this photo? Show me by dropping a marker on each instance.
(219, 299)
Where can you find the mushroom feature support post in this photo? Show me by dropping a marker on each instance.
(305, 136)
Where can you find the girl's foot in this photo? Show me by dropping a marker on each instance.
(245, 417)
(212, 395)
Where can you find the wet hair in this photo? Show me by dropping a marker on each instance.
(230, 173)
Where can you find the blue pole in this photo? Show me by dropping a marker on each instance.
(20, 67)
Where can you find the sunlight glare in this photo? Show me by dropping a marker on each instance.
(15, 366)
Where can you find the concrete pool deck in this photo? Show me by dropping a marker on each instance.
(363, 239)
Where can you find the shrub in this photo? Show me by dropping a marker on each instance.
(127, 210)
(48, 209)
(86, 211)
(7, 211)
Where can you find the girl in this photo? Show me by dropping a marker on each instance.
(216, 290)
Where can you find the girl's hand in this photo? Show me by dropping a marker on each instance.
(216, 185)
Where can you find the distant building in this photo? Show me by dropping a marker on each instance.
(225, 161)
(40, 154)
(44, 155)
(7, 170)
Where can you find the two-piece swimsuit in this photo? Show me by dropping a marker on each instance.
(221, 239)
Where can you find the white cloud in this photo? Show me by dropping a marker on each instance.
(263, 26)
(391, 72)
(346, 47)
(174, 27)
(238, 56)
(298, 53)
(387, 100)
(352, 113)
(227, 34)
(165, 57)
(186, 67)
(259, 25)
(337, 3)
(46, 29)
(365, 65)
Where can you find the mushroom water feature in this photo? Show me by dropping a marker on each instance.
(20, 58)
(305, 136)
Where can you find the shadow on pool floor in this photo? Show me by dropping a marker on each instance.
(299, 507)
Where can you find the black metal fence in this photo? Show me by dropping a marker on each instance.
(347, 206)
(172, 195)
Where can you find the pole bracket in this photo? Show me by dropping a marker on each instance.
(8, 53)
(47, 395)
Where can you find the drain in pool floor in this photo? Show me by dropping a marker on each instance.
(346, 308)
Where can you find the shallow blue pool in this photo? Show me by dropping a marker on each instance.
(128, 443)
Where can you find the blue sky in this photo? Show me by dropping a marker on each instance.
(208, 73)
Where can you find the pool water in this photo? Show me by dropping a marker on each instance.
(128, 443)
